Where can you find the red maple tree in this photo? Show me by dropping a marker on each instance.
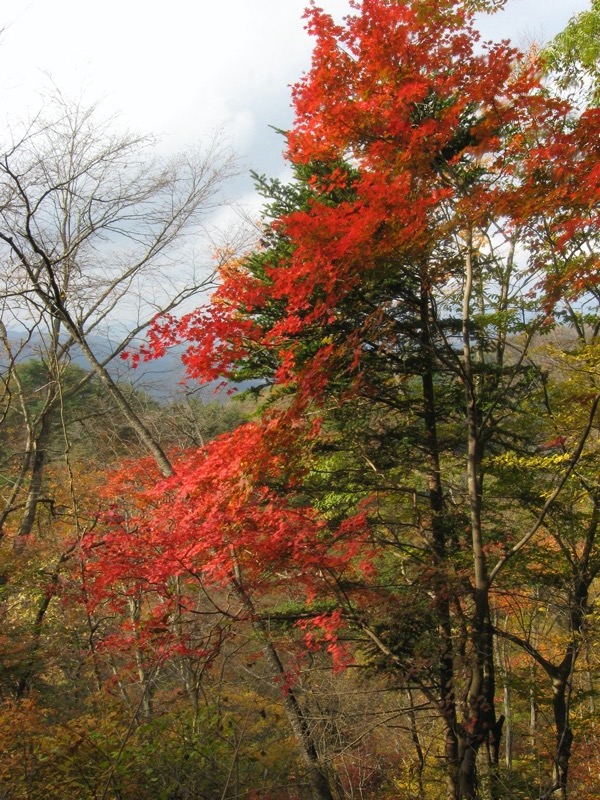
(416, 147)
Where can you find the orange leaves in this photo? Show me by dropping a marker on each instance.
(392, 83)
(322, 632)
(406, 133)
(434, 122)
(411, 143)
(228, 501)
(558, 199)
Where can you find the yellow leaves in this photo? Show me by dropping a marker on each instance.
(574, 363)
(534, 461)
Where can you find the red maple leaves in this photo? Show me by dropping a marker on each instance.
(423, 132)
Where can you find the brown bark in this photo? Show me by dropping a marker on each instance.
(480, 724)
(35, 481)
(447, 700)
(144, 435)
(315, 771)
(24, 683)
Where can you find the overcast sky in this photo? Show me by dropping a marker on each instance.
(181, 69)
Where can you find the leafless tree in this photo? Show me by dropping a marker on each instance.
(98, 235)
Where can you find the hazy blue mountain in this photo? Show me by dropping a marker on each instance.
(162, 378)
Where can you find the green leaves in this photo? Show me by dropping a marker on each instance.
(574, 55)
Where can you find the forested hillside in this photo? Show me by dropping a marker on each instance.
(374, 573)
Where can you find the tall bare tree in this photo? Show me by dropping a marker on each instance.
(98, 235)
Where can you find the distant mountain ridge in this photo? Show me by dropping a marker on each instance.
(162, 378)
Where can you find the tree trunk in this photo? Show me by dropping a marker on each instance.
(480, 724)
(146, 677)
(317, 778)
(35, 482)
(564, 738)
(144, 435)
(24, 683)
(416, 740)
(447, 700)
(18, 485)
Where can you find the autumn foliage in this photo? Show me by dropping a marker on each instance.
(415, 497)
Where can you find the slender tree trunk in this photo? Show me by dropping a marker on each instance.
(38, 463)
(591, 690)
(563, 675)
(319, 784)
(507, 702)
(144, 435)
(24, 683)
(533, 679)
(447, 700)
(30, 445)
(18, 484)
(564, 738)
(480, 723)
(508, 735)
(317, 777)
(146, 708)
(416, 739)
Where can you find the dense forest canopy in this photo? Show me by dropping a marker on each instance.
(374, 572)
